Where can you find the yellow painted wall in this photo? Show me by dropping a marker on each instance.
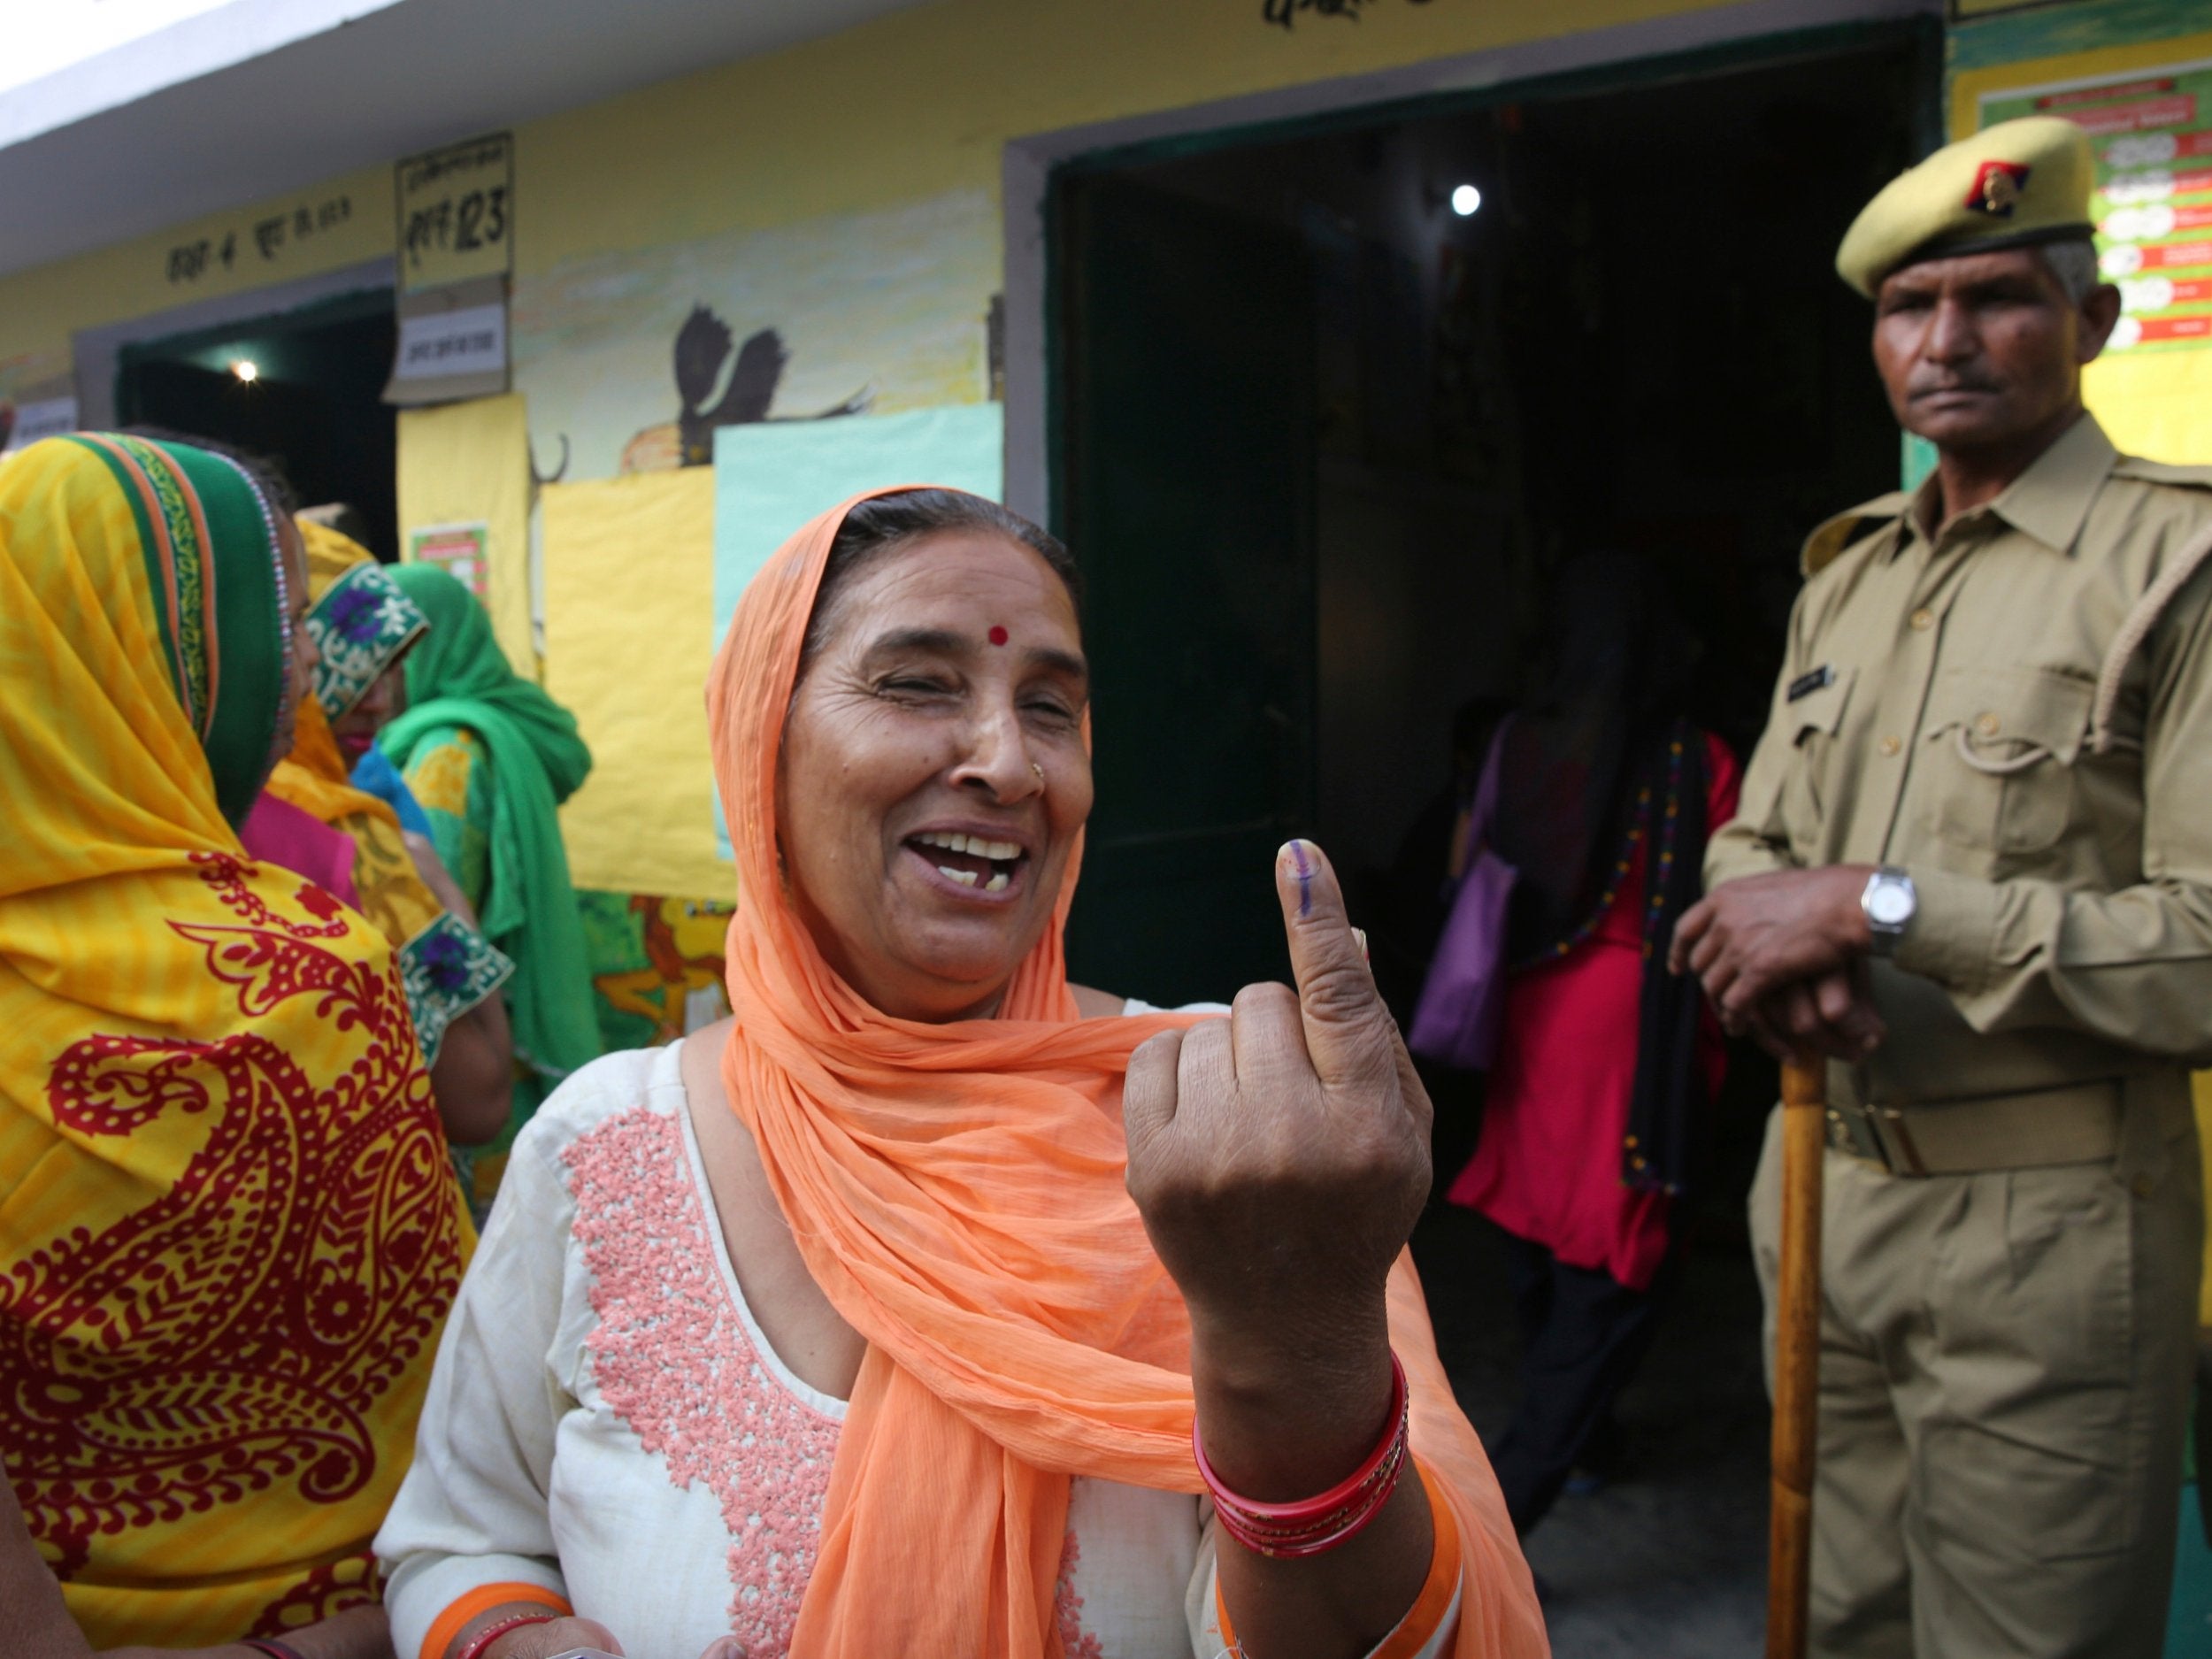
(42, 308)
(905, 108)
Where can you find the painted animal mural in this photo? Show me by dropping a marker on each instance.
(702, 350)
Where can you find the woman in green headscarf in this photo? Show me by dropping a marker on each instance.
(490, 757)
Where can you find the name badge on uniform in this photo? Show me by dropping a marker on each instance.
(1818, 679)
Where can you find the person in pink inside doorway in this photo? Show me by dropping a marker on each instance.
(1606, 1062)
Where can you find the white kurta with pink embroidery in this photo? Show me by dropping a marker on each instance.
(606, 1420)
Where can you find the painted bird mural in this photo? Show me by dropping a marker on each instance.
(703, 348)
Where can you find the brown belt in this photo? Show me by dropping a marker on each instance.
(2079, 1124)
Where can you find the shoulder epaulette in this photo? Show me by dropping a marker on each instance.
(1838, 532)
(2163, 472)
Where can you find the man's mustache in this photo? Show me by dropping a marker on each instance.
(1953, 383)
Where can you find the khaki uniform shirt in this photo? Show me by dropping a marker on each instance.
(1940, 708)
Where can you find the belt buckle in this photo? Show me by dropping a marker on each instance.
(1896, 1137)
(1877, 1134)
(1850, 1133)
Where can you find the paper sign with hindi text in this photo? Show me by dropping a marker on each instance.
(457, 212)
(458, 550)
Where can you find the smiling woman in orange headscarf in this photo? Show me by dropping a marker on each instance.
(882, 1315)
(227, 1236)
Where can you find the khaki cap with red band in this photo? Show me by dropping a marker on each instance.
(2009, 186)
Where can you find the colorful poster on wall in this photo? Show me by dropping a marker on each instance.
(632, 361)
(2147, 106)
(458, 550)
(656, 964)
(2151, 134)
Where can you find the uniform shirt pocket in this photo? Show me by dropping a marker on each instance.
(2000, 747)
(1815, 717)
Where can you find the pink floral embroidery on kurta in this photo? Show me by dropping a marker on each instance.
(674, 1361)
(1067, 1608)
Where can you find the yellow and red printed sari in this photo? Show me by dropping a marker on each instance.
(227, 1233)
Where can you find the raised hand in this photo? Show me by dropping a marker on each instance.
(1281, 1156)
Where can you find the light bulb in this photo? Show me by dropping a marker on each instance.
(247, 370)
(1465, 200)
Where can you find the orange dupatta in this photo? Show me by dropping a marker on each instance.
(957, 1191)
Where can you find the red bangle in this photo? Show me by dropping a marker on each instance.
(493, 1632)
(1311, 1526)
(275, 1649)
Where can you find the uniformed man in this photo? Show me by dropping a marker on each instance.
(1974, 867)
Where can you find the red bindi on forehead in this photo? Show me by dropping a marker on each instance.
(997, 636)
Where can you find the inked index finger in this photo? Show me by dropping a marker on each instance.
(1338, 1004)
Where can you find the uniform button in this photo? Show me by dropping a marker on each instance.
(1890, 745)
(1988, 725)
(1923, 620)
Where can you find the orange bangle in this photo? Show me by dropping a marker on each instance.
(470, 1605)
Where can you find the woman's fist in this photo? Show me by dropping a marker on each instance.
(1281, 1156)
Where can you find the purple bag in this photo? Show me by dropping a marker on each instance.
(1462, 1000)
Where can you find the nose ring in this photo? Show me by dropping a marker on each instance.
(1040, 770)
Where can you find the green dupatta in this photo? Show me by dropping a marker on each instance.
(457, 676)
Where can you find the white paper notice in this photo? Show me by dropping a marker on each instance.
(439, 345)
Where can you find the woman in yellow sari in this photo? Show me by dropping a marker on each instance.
(227, 1236)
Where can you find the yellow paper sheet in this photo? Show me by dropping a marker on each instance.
(464, 463)
(629, 572)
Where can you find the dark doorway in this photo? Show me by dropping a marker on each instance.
(1319, 438)
(304, 388)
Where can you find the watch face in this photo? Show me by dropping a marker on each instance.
(1889, 905)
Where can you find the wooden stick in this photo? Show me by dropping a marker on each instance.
(1796, 1358)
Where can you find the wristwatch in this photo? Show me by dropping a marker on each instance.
(1889, 902)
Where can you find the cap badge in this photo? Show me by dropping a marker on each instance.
(1997, 188)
